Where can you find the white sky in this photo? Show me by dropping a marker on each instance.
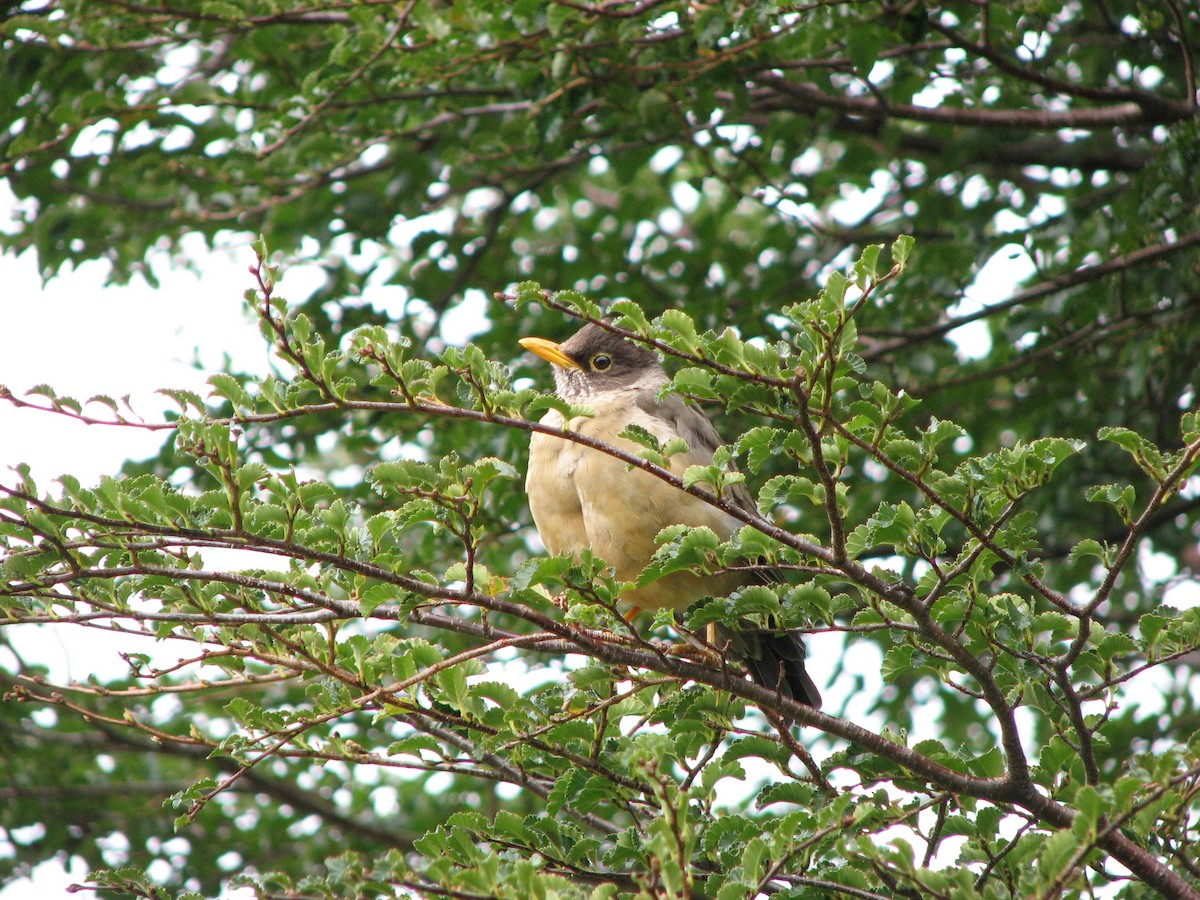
(86, 339)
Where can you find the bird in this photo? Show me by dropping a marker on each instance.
(583, 498)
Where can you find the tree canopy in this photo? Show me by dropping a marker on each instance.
(931, 267)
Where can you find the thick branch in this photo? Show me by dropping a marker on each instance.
(1067, 280)
(806, 98)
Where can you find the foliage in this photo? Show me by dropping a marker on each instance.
(395, 692)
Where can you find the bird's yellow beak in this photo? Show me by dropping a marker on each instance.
(549, 351)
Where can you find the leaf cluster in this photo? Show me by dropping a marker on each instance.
(350, 668)
(402, 641)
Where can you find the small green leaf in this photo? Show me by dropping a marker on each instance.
(867, 266)
(1088, 548)
(902, 249)
(684, 330)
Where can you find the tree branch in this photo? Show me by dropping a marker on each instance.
(1055, 285)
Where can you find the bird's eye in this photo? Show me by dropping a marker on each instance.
(601, 362)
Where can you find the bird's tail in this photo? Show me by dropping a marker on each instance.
(776, 661)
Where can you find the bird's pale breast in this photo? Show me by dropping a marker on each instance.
(582, 497)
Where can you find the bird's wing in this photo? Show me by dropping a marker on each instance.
(775, 658)
(702, 440)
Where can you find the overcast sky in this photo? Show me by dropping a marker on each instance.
(85, 339)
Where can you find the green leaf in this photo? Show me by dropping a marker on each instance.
(1121, 497)
(902, 249)
(867, 266)
(758, 446)
(683, 330)
(1089, 548)
(863, 46)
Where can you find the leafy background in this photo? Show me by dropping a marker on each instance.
(720, 159)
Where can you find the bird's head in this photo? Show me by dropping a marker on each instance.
(595, 361)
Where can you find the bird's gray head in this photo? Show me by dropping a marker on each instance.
(595, 361)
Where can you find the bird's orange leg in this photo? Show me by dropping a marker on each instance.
(631, 613)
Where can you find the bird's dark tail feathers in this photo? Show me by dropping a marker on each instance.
(776, 661)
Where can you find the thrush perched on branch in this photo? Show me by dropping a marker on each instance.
(582, 497)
